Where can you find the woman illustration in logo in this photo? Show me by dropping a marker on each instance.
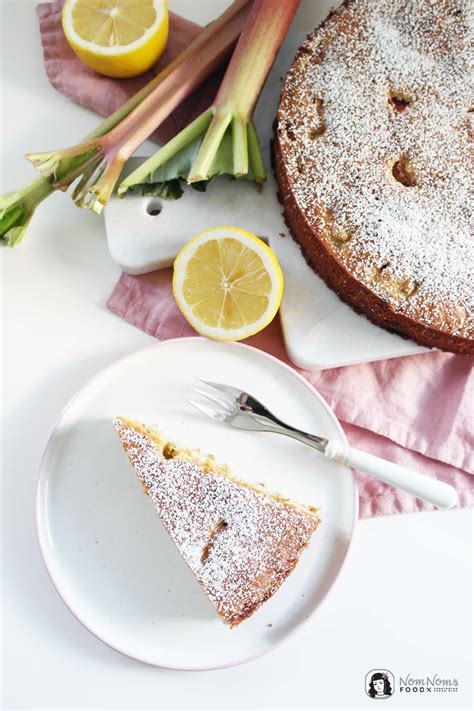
(379, 687)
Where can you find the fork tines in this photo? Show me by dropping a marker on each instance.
(221, 388)
(223, 396)
(209, 412)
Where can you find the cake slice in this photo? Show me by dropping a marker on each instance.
(240, 541)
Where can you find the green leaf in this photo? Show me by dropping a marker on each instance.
(165, 180)
(169, 190)
(12, 215)
(17, 208)
(168, 178)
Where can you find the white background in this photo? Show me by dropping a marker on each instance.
(404, 600)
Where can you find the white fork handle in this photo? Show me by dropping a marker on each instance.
(435, 492)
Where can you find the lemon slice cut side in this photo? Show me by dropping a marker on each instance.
(227, 283)
(119, 38)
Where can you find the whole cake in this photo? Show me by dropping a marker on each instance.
(373, 163)
(240, 541)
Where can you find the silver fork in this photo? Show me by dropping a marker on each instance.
(240, 409)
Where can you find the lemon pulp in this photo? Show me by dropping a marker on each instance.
(118, 38)
(227, 283)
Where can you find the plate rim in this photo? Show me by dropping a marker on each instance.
(39, 500)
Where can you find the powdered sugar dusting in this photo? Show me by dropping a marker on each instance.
(342, 133)
(240, 544)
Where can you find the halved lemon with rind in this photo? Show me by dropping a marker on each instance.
(227, 283)
(118, 38)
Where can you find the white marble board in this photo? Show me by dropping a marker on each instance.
(319, 330)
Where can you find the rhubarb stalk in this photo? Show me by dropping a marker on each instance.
(98, 163)
(223, 139)
(98, 160)
(17, 207)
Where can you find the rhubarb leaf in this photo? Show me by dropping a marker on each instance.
(165, 178)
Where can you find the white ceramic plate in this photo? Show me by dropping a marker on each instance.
(103, 544)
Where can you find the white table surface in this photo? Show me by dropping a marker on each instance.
(404, 599)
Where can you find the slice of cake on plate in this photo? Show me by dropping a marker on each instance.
(240, 541)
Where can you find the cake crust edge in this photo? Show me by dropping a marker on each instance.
(349, 289)
(325, 264)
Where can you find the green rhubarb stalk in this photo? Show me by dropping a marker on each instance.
(17, 206)
(223, 139)
(99, 162)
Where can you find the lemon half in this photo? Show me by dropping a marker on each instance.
(227, 283)
(119, 38)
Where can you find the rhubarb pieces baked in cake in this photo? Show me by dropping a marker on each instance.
(374, 168)
(240, 541)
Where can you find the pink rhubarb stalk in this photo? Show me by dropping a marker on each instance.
(98, 163)
(223, 139)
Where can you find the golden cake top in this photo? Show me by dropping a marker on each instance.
(374, 126)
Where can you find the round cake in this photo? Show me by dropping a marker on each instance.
(373, 163)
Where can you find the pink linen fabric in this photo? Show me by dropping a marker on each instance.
(415, 411)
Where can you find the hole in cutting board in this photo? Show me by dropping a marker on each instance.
(153, 208)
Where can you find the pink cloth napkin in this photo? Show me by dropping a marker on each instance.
(415, 411)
